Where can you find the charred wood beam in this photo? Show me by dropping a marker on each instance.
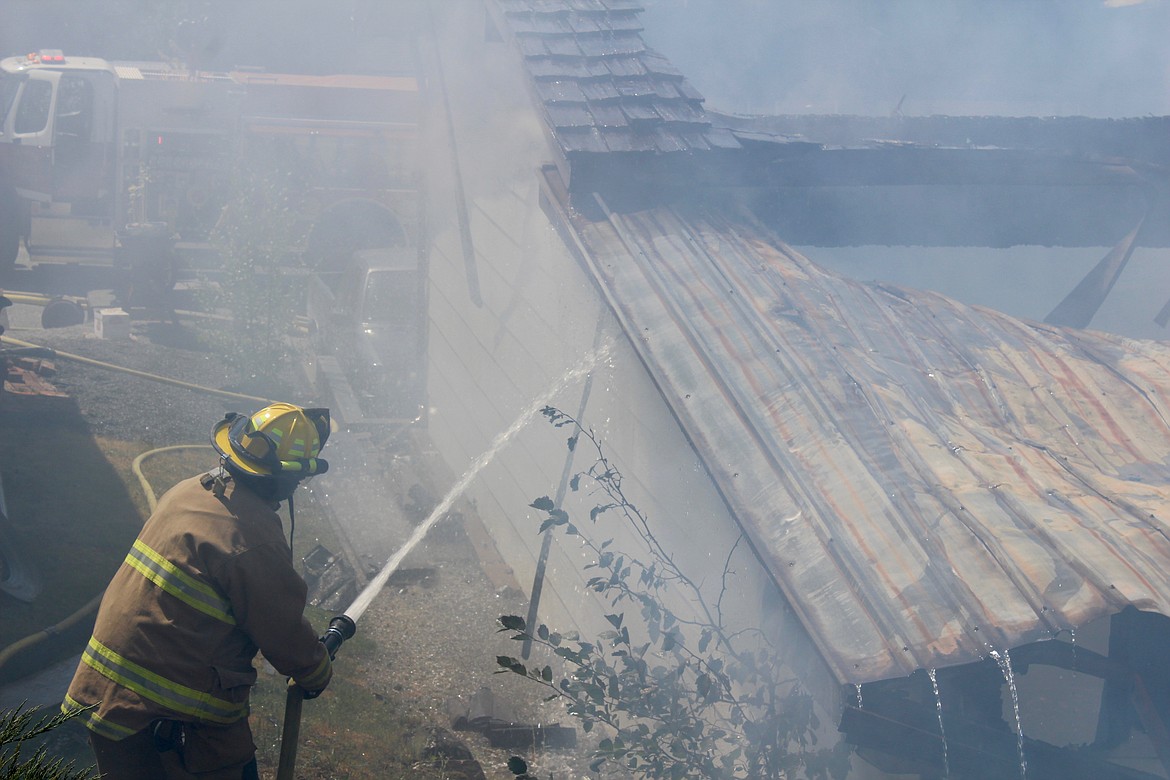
(931, 181)
(1145, 140)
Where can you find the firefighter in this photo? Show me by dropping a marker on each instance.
(208, 583)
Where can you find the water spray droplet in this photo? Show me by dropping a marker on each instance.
(942, 732)
(1005, 667)
(366, 597)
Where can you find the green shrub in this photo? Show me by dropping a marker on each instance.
(690, 698)
(20, 725)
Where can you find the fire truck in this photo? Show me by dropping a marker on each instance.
(101, 161)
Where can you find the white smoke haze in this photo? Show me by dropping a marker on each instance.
(963, 57)
(497, 266)
(960, 58)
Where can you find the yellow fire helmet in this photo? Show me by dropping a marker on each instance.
(281, 439)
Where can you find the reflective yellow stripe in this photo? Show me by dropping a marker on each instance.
(297, 449)
(178, 583)
(96, 723)
(319, 677)
(159, 689)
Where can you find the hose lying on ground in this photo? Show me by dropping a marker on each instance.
(142, 374)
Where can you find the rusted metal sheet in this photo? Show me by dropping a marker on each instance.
(925, 480)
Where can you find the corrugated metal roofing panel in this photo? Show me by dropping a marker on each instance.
(925, 480)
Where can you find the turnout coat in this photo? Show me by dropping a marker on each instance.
(208, 582)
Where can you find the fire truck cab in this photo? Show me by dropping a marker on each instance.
(93, 151)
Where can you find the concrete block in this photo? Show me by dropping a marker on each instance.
(111, 324)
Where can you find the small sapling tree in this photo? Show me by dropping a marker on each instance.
(678, 696)
(258, 288)
(20, 725)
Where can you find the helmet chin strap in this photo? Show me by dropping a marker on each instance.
(292, 527)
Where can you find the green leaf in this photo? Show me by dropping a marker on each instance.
(575, 482)
(509, 663)
(517, 765)
(704, 640)
(573, 441)
(512, 623)
(703, 684)
(544, 504)
(542, 632)
(615, 620)
(546, 674)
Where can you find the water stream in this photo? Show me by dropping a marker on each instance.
(1005, 667)
(859, 702)
(366, 597)
(942, 732)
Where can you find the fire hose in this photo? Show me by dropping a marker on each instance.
(342, 628)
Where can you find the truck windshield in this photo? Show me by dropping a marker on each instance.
(9, 86)
(32, 112)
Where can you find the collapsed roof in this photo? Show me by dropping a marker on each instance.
(926, 481)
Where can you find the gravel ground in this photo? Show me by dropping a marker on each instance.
(434, 626)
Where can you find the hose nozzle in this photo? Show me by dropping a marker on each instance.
(340, 629)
